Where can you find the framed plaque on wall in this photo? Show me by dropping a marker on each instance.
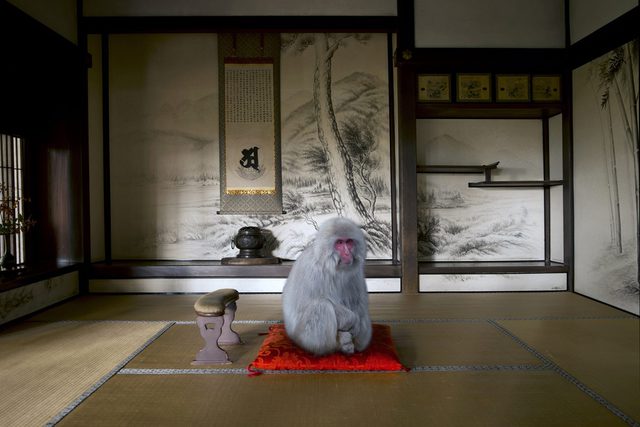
(545, 88)
(434, 88)
(473, 88)
(512, 88)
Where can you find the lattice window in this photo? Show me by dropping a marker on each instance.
(12, 184)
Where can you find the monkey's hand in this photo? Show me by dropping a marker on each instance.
(347, 319)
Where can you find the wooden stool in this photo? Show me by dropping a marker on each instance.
(216, 310)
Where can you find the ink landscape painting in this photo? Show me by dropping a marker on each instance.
(459, 223)
(165, 187)
(607, 185)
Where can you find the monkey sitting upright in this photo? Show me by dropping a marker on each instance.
(325, 301)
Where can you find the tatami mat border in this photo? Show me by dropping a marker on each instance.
(388, 321)
(620, 317)
(107, 321)
(106, 377)
(239, 322)
(195, 371)
(479, 368)
(566, 375)
(432, 320)
(244, 371)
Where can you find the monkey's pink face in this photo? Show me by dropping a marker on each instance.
(345, 248)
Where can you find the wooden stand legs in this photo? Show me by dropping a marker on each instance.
(216, 330)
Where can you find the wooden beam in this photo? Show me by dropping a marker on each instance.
(616, 33)
(490, 60)
(222, 24)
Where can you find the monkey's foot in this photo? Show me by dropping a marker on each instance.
(346, 342)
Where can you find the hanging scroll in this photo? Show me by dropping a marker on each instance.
(250, 137)
(249, 128)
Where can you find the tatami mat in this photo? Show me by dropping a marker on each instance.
(457, 344)
(595, 351)
(521, 305)
(155, 307)
(516, 305)
(177, 347)
(488, 359)
(391, 399)
(47, 366)
(418, 345)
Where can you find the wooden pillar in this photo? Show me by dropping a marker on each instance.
(408, 186)
(407, 180)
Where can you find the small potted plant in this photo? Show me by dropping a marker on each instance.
(12, 221)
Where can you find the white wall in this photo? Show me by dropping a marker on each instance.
(238, 8)
(489, 23)
(59, 15)
(587, 16)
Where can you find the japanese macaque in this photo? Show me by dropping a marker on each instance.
(325, 301)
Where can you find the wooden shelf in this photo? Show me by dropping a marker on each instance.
(487, 111)
(515, 184)
(130, 269)
(465, 169)
(492, 267)
(486, 170)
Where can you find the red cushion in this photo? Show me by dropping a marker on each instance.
(278, 352)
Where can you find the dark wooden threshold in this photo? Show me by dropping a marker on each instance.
(11, 279)
(129, 269)
(492, 267)
(204, 24)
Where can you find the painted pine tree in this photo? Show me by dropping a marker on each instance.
(342, 182)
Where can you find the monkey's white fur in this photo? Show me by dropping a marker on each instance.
(325, 302)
